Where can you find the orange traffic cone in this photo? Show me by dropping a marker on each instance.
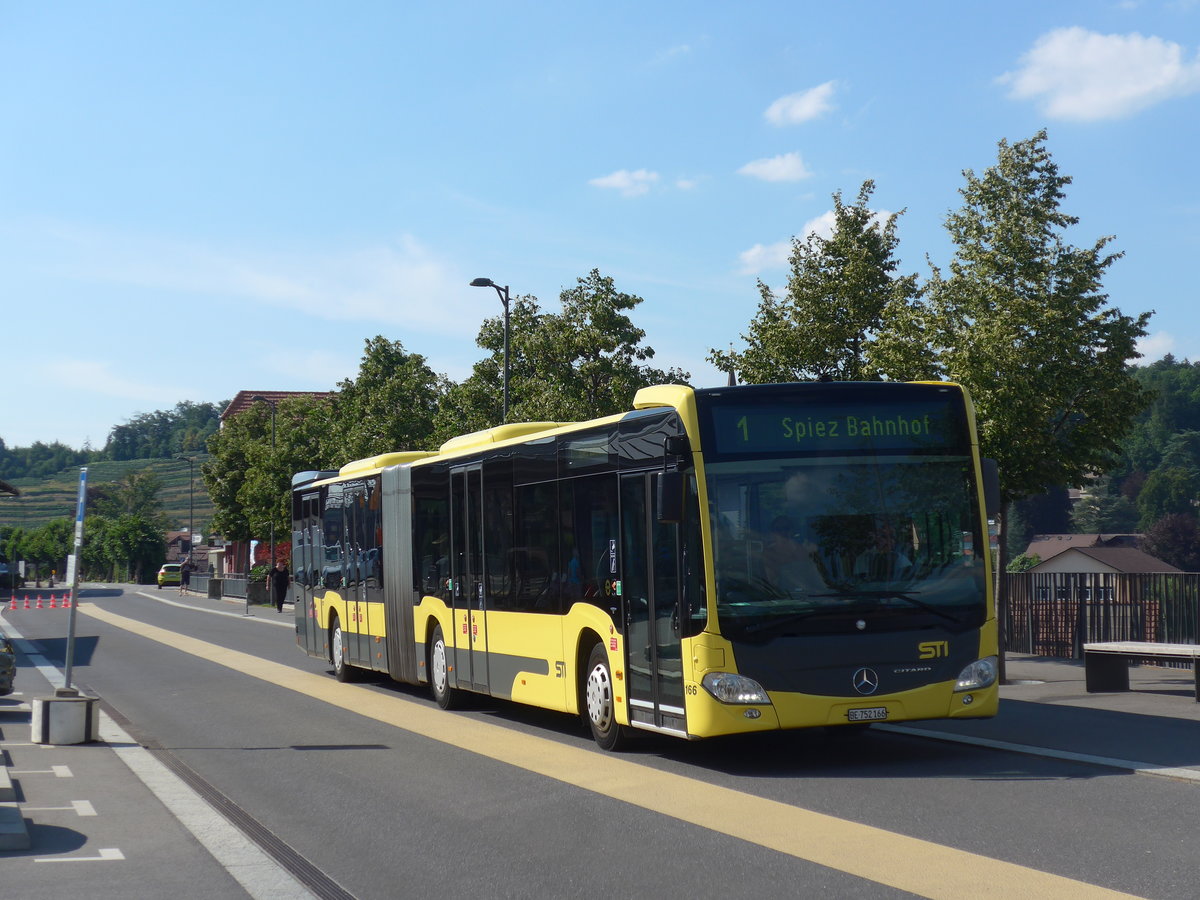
(27, 601)
(13, 605)
(53, 602)
(39, 603)
(66, 604)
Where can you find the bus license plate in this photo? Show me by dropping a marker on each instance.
(873, 714)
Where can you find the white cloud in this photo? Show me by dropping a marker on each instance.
(1155, 346)
(1080, 75)
(803, 106)
(788, 167)
(686, 184)
(401, 282)
(761, 257)
(821, 226)
(95, 377)
(773, 256)
(630, 184)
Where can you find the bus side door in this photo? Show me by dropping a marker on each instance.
(650, 587)
(466, 571)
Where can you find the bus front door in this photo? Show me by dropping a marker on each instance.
(650, 587)
(466, 572)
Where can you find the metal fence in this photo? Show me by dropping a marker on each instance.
(234, 586)
(1056, 613)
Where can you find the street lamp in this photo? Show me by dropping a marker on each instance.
(255, 399)
(504, 298)
(191, 500)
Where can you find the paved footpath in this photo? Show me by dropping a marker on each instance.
(82, 809)
(1153, 729)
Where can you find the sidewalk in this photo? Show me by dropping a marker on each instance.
(1153, 728)
(111, 819)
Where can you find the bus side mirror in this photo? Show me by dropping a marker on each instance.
(991, 487)
(668, 491)
(676, 445)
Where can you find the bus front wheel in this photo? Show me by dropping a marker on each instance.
(600, 702)
(439, 671)
(342, 671)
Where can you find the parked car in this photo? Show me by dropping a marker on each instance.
(169, 574)
(8, 664)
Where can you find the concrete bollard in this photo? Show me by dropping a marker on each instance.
(66, 718)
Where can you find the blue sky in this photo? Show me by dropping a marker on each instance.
(200, 198)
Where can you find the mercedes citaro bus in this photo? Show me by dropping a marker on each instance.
(713, 561)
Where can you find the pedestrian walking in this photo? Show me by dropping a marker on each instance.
(185, 574)
(279, 579)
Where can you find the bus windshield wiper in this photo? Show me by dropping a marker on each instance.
(771, 624)
(908, 598)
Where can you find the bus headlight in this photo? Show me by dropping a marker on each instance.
(730, 688)
(979, 674)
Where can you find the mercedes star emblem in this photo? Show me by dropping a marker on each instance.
(865, 681)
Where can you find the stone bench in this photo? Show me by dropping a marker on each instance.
(1106, 665)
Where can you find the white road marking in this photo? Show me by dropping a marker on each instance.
(1140, 768)
(288, 623)
(80, 807)
(105, 855)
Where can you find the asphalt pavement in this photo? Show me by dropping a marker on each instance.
(173, 841)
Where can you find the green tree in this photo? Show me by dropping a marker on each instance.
(49, 546)
(846, 313)
(389, 406)
(1169, 490)
(224, 472)
(1175, 539)
(135, 542)
(1021, 319)
(1103, 509)
(305, 440)
(584, 362)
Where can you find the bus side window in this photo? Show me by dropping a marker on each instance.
(595, 530)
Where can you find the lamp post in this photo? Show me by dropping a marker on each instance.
(504, 298)
(255, 399)
(191, 500)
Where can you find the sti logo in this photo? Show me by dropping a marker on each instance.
(933, 649)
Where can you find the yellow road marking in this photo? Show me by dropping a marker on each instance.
(906, 863)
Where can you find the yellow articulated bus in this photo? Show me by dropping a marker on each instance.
(714, 561)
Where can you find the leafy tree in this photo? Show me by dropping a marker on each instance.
(845, 315)
(1104, 509)
(1024, 562)
(39, 460)
(1168, 491)
(136, 542)
(161, 433)
(226, 469)
(136, 494)
(390, 406)
(1174, 390)
(584, 362)
(302, 429)
(1022, 320)
(1047, 513)
(1175, 539)
(49, 546)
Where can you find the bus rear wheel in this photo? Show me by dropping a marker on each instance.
(439, 671)
(600, 702)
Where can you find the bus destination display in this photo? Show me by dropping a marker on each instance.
(828, 427)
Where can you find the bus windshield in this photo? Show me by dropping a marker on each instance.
(822, 545)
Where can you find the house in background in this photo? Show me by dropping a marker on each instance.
(246, 399)
(1103, 561)
(1047, 546)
